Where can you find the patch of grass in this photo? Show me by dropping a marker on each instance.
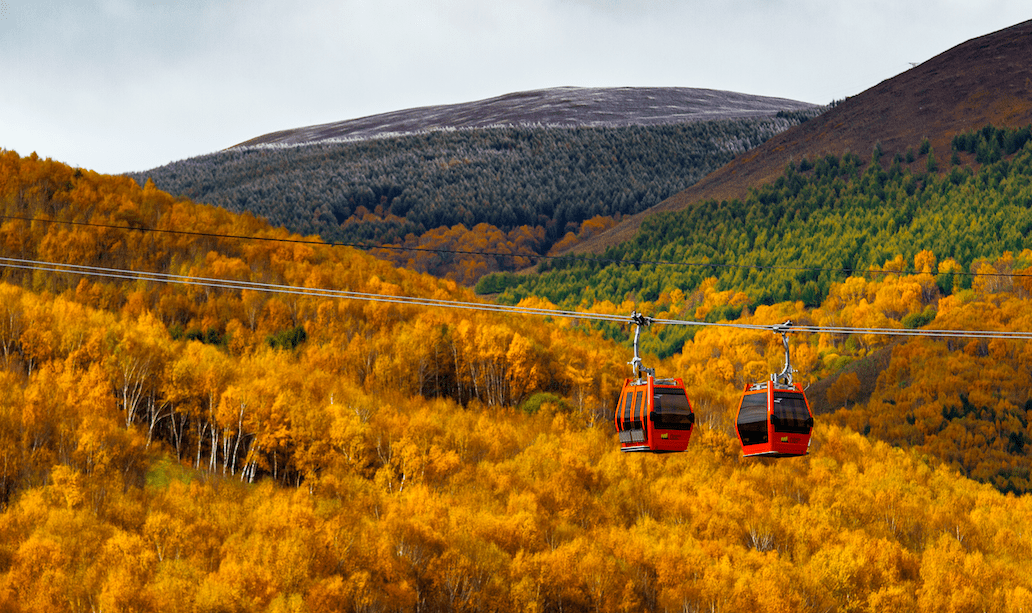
(533, 404)
(164, 471)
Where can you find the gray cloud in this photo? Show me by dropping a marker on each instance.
(118, 85)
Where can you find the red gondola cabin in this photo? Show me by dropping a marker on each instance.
(774, 420)
(654, 415)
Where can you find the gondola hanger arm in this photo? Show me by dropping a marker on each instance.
(638, 369)
(786, 374)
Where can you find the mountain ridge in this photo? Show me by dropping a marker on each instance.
(552, 107)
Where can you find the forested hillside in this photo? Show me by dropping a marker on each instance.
(184, 446)
(507, 190)
(817, 224)
(982, 81)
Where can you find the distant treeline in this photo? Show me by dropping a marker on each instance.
(386, 189)
(821, 220)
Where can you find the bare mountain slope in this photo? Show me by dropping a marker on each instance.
(561, 106)
(984, 80)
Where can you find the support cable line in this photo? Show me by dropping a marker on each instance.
(130, 275)
(529, 256)
(916, 332)
(990, 334)
(232, 284)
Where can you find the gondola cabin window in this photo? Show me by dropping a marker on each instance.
(752, 419)
(670, 409)
(790, 414)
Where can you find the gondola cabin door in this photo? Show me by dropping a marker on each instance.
(654, 415)
(774, 420)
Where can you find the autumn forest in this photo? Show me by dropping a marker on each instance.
(390, 363)
(182, 446)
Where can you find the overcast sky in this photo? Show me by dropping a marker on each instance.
(125, 85)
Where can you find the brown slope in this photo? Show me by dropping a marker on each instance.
(984, 80)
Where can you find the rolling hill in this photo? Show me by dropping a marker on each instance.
(907, 119)
(542, 165)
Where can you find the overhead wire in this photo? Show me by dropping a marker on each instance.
(236, 284)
